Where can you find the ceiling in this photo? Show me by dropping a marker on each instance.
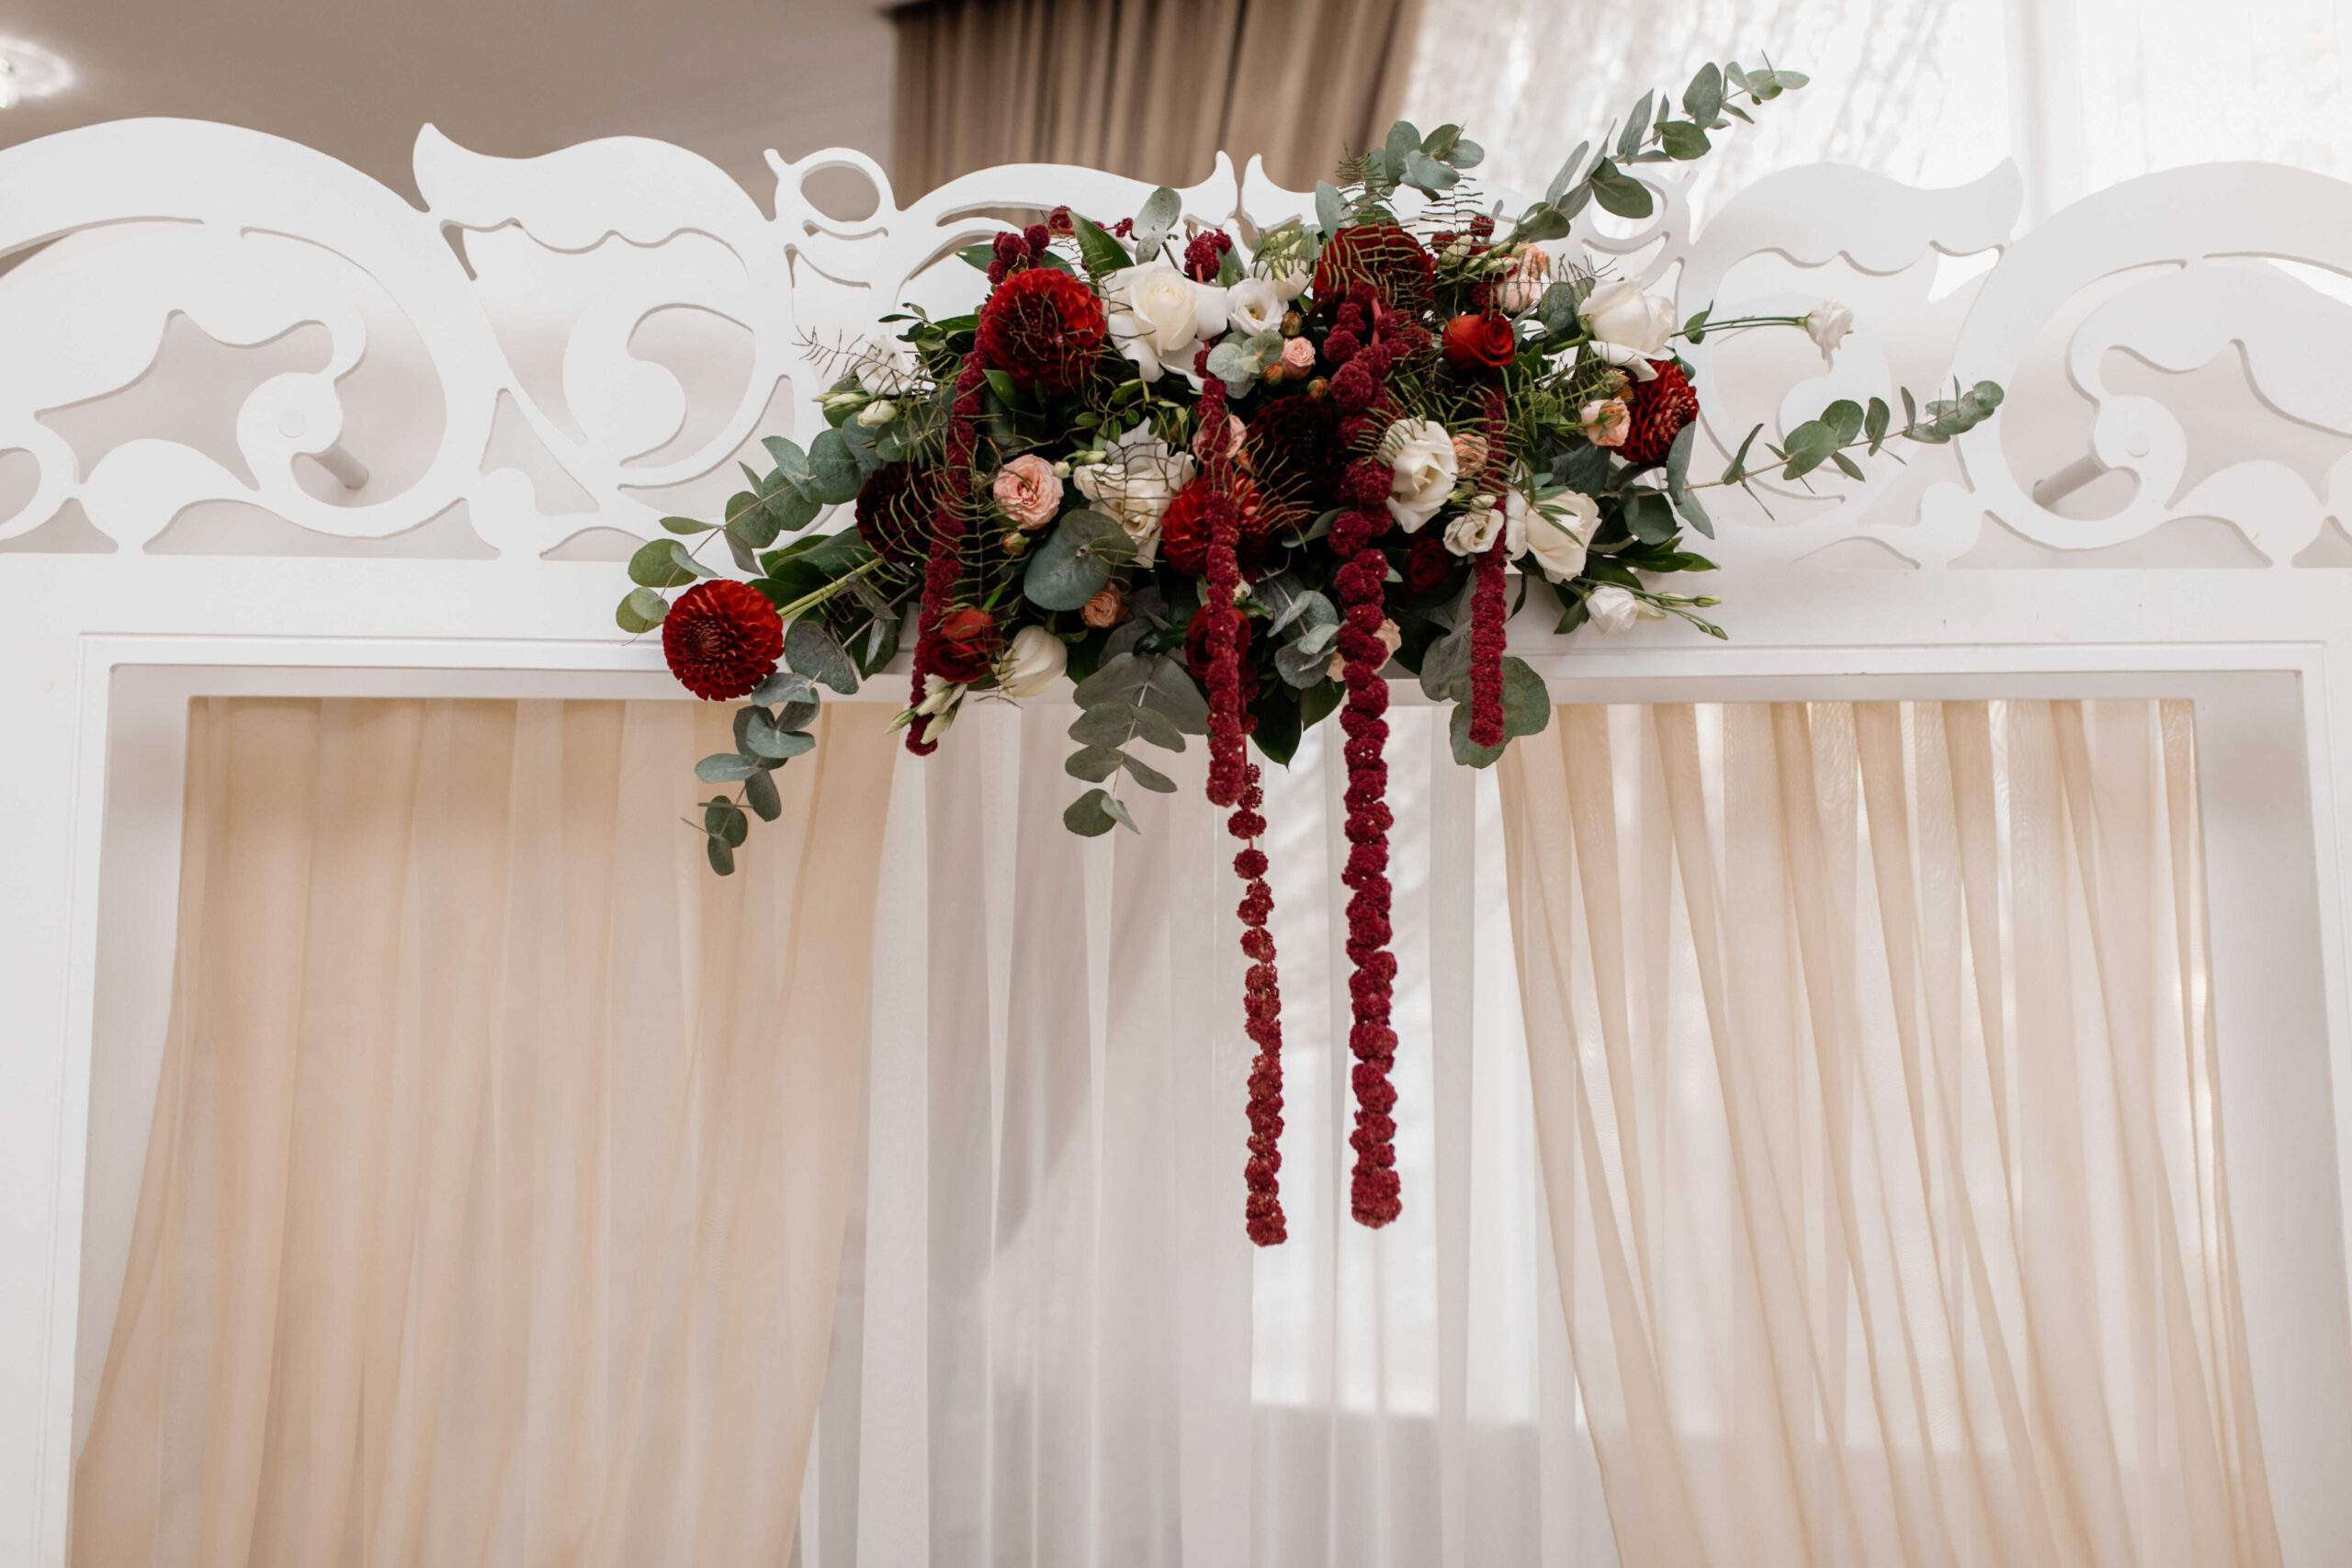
(727, 78)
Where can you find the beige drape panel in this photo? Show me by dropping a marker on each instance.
(495, 1198)
(1148, 88)
(1874, 1065)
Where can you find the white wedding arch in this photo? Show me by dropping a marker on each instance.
(474, 405)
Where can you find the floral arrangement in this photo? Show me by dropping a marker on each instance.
(1223, 486)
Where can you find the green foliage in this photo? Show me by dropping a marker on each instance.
(1073, 562)
(1527, 708)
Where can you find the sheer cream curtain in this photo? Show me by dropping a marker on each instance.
(1055, 1346)
(496, 1192)
(1874, 1072)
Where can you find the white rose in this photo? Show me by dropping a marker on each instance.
(1475, 530)
(1559, 532)
(1159, 318)
(1628, 327)
(1254, 305)
(1133, 485)
(1421, 454)
(885, 368)
(1614, 609)
(1033, 662)
(1826, 324)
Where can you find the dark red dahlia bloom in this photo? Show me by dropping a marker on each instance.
(895, 507)
(722, 638)
(1042, 325)
(969, 640)
(1381, 254)
(1427, 563)
(1480, 340)
(1660, 410)
(1185, 531)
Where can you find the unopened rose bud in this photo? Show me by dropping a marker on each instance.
(1061, 470)
(1107, 608)
(1015, 543)
(1275, 374)
(1292, 323)
(1318, 388)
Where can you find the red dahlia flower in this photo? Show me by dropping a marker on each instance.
(1660, 409)
(1381, 254)
(722, 638)
(1044, 326)
(969, 640)
(1480, 340)
(1185, 531)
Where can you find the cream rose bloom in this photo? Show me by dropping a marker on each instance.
(1826, 324)
(1159, 318)
(1522, 284)
(1614, 609)
(1422, 455)
(1559, 533)
(1475, 530)
(1629, 328)
(1032, 663)
(1254, 305)
(1134, 484)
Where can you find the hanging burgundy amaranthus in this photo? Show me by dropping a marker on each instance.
(1233, 781)
(946, 542)
(1487, 613)
(1356, 387)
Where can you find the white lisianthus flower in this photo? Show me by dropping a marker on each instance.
(1474, 532)
(878, 412)
(1290, 274)
(1826, 324)
(884, 369)
(1629, 328)
(1559, 533)
(1031, 662)
(1615, 609)
(1133, 485)
(1159, 318)
(1254, 305)
(1421, 454)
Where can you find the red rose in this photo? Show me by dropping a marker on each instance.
(1480, 340)
(969, 640)
(1042, 325)
(1427, 563)
(722, 638)
(1660, 409)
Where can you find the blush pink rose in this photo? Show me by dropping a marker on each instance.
(1028, 491)
(1470, 453)
(1298, 355)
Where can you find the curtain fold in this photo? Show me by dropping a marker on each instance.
(1872, 1054)
(1148, 88)
(501, 1156)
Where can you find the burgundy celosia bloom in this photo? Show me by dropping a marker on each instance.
(722, 637)
(1043, 326)
(946, 540)
(1488, 613)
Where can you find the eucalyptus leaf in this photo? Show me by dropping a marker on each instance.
(1300, 666)
(789, 459)
(1807, 447)
(1844, 419)
(763, 738)
(1403, 139)
(688, 525)
(642, 611)
(1629, 144)
(835, 475)
(1702, 100)
(1075, 560)
(759, 793)
(722, 858)
(784, 686)
(725, 767)
(1149, 777)
(1157, 217)
(811, 648)
(1095, 813)
(1567, 174)
(1683, 139)
(1171, 693)
(663, 563)
(1093, 763)
(1445, 666)
(1621, 193)
(1118, 726)
(1328, 210)
(1677, 481)
(1527, 710)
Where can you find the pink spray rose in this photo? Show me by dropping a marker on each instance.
(1028, 491)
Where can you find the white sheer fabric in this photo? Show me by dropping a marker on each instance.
(2082, 93)
(501, 1152)
(1874, 1068)
(1056, 1345)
